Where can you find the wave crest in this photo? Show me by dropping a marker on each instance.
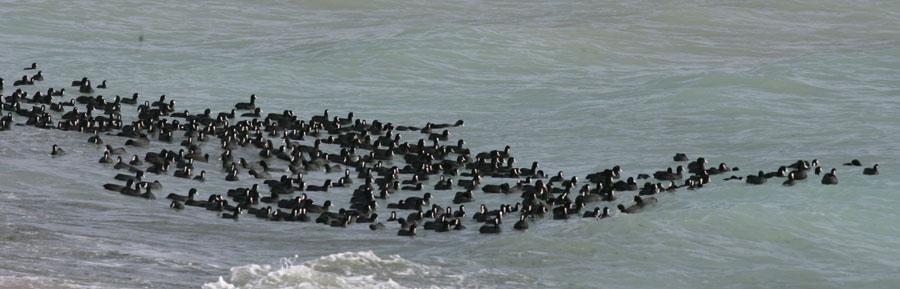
(362, 269)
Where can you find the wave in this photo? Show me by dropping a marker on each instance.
(39, 282)
(342, 270)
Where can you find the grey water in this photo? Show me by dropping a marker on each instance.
(578, 85)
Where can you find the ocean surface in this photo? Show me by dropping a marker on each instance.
(578, 85)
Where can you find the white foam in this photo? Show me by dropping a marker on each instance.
(342, 270)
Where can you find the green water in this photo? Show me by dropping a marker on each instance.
(577, 85)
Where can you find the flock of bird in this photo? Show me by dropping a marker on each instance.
(371, 158)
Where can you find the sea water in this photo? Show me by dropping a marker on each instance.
(578, 85)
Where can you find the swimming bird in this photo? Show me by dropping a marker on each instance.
(116, 151)
(183, 173)
(121, 165)
(86, 87)
(854, 163)
(126, 177)
(561, 213)
(800, 172)
(597, 213)
(460, 213)
(697, 166)
(23, 81)
(105, 159)
(117, 187)
(781, 172)
(148, 194)
(721, 169)
(830, 178)
(232, 176)
(32, 67)
(521, 225)
(323, 188)
(790, 181)
(492, 228)
(871, 171)
(645, 201)
(57, 151)
(649, 189)
(140, 141)
(757, 179)
(247, 105)
(201, 177)
(463, 197)
(135, 161)
(256, 113)
(669, 174)
(132, 100)
(409, 232)
(634, 209)
(639, 204)
(183, 198)
(76, 83)
(628, 185)
(95, 139)
(376, 226)
(234, 215)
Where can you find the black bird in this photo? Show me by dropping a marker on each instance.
(871, 171)
(95, 139)
(757, 179)
(247, 105)
(492, 228)
(830, 178)
(410, 232)
(57, 151)
(781, 172)
(377, 226)
(597, 213)
(234, 215)
(790, 181)
(86, 87)
(106, 159)
(132, 100)
(323, 188)
(669, 175)
(77, 83)
(183, 173)
(126, 177)
(201, 177)
(521, 225)
(118, 187)
(23, 81)
(182, 198)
